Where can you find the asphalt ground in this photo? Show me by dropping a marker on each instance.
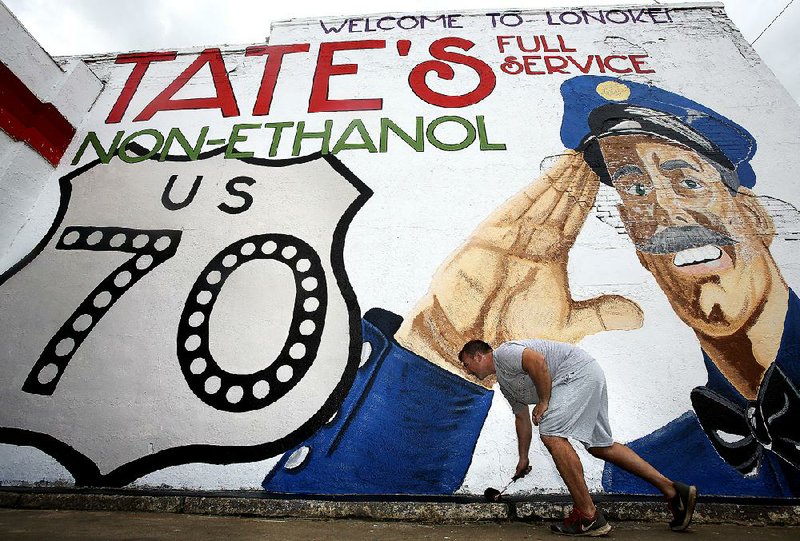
(21, 524)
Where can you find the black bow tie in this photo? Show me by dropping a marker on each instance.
(740, 435)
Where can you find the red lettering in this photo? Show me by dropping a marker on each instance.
(637, 61)
(416, 79)
(142, 62)
(224, 99)
(530, 62)
(607, 62)
(511, 66)
(583, 68)
(564, 48)
(549, 63)
(502, 41)
(546, 48)
(272, 68)
(600, 66)
(521, 45)
(319, 100)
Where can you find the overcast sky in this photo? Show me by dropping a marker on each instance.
(66, 27)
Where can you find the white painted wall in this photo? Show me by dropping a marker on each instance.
(72, 89)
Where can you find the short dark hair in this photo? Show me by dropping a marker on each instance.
(472, 347)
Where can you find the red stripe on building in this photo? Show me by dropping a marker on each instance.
(26, 118)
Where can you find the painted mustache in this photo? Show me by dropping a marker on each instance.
(675, 239)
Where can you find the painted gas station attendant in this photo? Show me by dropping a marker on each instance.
(683, 175)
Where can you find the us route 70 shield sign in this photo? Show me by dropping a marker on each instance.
(204, 304)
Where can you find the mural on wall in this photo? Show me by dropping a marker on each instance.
(237, 267)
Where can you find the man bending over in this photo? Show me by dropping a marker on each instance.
(568, 388)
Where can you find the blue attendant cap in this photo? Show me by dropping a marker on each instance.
(597, 107)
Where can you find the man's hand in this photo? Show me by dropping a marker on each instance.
(523, 468)
(538, 411)
(509, 280)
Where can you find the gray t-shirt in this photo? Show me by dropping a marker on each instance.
(516, 385)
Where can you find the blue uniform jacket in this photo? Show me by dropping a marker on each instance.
(407, 426)
(682, 451)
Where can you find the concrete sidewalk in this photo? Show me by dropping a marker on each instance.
(430, 510)
(21, 524)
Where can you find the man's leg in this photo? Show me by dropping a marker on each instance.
(571, 471)
(680, 497)
(627, 459)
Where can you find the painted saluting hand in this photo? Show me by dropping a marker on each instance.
(509, 280)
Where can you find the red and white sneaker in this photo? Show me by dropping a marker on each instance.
(579, 525)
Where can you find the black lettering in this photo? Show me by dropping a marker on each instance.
(166, 200)
(231, 187)
(333, 28)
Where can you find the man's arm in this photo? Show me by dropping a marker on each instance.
(522, 422)
(536, 367)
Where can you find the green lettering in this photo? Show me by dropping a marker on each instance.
(417, 143)
(104, 155)
(136, 158)
(485, 144)
(467, 141)
(301, 134)
(355, 125)
(175, 134)
(230, 151)
(276, 135)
